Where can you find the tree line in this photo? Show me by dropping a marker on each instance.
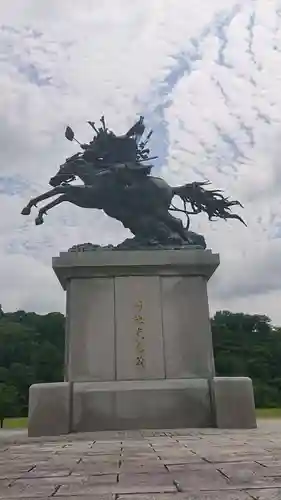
(32, 351)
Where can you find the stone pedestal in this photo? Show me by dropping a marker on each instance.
(234, 403)
(138, 345)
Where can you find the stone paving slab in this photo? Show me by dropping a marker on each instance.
(185, 464)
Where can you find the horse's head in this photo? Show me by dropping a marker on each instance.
(65, 174)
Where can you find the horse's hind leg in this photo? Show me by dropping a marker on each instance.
(177, 226)
(33, 202)
(43, 211)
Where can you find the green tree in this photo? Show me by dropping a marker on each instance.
(4, 374)
(249, 345)
(8, 402)
(31, 350)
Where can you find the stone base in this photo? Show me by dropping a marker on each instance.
(137, 315)
(151, 404)
(233, 402)
(60, 408)
(49, 409)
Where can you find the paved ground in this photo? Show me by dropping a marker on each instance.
(160, 465)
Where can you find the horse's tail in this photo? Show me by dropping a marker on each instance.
(186, 194)
(211, 202)
(233, 216)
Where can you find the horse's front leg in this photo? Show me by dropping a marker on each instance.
(33, 202)
(43, 211)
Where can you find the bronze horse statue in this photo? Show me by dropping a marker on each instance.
(117, 180)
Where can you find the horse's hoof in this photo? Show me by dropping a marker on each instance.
(26, 211)
(39, 221)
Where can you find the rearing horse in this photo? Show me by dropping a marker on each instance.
(142, 206)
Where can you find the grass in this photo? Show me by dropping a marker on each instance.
(268, 412)
(21, 423)
(15, 423)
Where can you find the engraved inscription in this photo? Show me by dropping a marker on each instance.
(139, 323)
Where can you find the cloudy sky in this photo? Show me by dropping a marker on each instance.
(206, 75)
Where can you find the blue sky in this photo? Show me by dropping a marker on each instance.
(206, 75)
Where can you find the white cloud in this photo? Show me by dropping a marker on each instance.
(206, 74)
